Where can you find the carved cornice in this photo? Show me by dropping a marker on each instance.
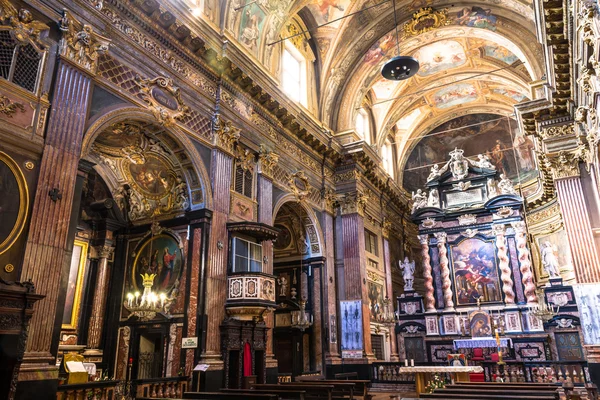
(226, 135)
(163, 99)
(80, 45)
(354, 203)
(267, 160)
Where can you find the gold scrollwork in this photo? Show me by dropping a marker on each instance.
(299, 185)
(21, 25)
(10, 108)
(73, 301)
(23, 202)
(163, 99)
(425, 20)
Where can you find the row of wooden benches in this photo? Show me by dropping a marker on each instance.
(305, 389)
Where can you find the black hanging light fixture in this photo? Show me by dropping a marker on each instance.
(400, 67)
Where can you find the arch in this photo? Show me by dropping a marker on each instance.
(136, 114)
(310, 214)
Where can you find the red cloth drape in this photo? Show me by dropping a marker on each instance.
(247, 360)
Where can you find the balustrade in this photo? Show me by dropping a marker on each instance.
(575, 372)
(161, 388)
(99, 390)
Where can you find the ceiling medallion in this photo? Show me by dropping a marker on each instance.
(400, 67)
(425, 20)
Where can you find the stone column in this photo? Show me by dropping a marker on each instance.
(427, 275)
(355, 269)
(266, 162)
(385, 230)
(316, 339)
(524, 261)
(47, 248)
(445, 271)
(505, 272)
(332, 354)
(225, 136)
(104, 253)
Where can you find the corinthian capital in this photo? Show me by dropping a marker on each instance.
(565, 164)
(267, 160)
(440, 236)
(354, 202)
(226, 135)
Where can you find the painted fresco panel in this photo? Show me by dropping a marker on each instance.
(475, 272)
(473, 133)
(440, 56)
(454, 95)
(499, 53)
(158, 255)
(326, 11)
(251, 25)
(477, 17)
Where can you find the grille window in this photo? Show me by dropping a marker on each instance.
(19, 63)
(243, 181)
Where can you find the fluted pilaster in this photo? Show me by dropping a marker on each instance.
(332, 354)
(389, 294)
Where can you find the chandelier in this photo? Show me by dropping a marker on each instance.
(542, 309)
(301, 319)
(146, 306)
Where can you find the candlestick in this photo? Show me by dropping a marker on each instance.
(412, 362)
(406, 363)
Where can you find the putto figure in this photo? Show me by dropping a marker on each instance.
(419, 200)
(408, 273)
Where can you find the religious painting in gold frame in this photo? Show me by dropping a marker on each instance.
(14, 202)
(75, 285)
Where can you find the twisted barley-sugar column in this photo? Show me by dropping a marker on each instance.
(429, 299)
(506, 275)
(445, 268)
(524, 261)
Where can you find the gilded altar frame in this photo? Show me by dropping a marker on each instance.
(77, 294)
(13, 166)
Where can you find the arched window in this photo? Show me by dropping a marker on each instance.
(387, 154)
(293, 74)
(362, 125)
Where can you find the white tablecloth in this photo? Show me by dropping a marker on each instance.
(435, 368)
(488, 342)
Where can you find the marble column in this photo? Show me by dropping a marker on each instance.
(316, 338)
(505, 272)
(388, 286)
(47, 243)
(355, 268)
(427, 275)
(445, 271)
(524, 261)
(104, 253)
(328, 277)
(266, 162)
(225, 135)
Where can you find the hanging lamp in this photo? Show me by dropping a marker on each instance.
(400, 67)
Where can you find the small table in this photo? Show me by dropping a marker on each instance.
(422, 374)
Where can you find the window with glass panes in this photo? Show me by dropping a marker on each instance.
(247, 256)
(243, 182)
(371, 243)
(292, 75)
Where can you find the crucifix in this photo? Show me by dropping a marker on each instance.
(479, 303)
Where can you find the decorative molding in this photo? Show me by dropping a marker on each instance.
(80, 44)
(373, 276)
(9, 107)
(267, 160)
(428, 223)
(425, 20)
(386, 227)
(226, 135)
(557, 131)
(467, 219)
(349, 176)
(163, 99)
(299, 185)
(354, 203)
(564, 164)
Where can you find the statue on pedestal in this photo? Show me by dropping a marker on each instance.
(549, 260)
(408, 273)
(434, 198)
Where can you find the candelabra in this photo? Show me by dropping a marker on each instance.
(301, 319)
(542, 310)
(146, 306)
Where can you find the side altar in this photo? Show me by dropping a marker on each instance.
(479, 278)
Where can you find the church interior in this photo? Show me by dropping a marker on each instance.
(299, 199)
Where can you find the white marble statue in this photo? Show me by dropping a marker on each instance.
(505, 185)
(434, 198)
(549, 260)
(484, 162)
(492, 188)
(408, 273)
(419, 200)
(435, 172)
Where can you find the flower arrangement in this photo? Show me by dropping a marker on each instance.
(436, 383)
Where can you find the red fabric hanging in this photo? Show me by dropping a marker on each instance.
(247, 360)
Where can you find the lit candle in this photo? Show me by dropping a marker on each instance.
(412, 362)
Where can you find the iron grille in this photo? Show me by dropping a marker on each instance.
(19, 63)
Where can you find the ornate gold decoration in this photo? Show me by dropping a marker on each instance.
(330, 199)
(8, 268)
(386, 227)
(21, 25)
(80, 44)
(19, 223)
(9, 108)
(564, 165)
(467, 219)
(29, 165)
(586, 23)
(163, 98)
(244, 158)
(76, 300)
(543, 214)
(297, 37)
(557, 131)
(226, 135)
(298, 184)
(352, 175)
(373, 276)
(428, 223)
(504, 212)
(585, 80)
(267, 160)
(425, 20)
(355, 202)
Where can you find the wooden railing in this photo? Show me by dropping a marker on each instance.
(575, 372)
(99, 390)
(161, 388)
(389, 372)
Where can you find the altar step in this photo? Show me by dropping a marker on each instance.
(495, 391)
(393, 387)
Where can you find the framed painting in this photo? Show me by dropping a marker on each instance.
(160, 255)
(480, 324)
(375, 300)
(14, 202)
(475, 272)
(75, 285)
(352, 328)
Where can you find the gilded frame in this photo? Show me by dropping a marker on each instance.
(72, 325)
(23, 202)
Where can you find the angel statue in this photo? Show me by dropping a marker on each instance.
(408, 273)
(435, 172)
(484, 162)
(419, 200)
(505, 185)
(549, 260)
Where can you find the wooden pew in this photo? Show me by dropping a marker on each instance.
(312, 391)
(346, 376)
(341, 389)
(283, 394)
(361, 386)
(494, 391)
(247, 395)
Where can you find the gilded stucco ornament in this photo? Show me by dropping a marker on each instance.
(425, 20)
(557, 131)
(330, 200)
(9, 107)
(226, 135)
(163, 99)
(298, 184)
(386, 227)
(80, 44)
(354, 203)
(21, 25)
(244, 158)
(267, 160)
(586, 23)
(564, 165)
(585, 79)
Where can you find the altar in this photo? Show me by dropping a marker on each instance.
(423, 374)
(481, 342)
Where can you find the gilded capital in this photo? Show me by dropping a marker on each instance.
(22, 27)
(354, 203)
(79, 44)
(386, 227)
(267, 160)
(226, 135)
(564, 164)
(244, 158)
(330, 200)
